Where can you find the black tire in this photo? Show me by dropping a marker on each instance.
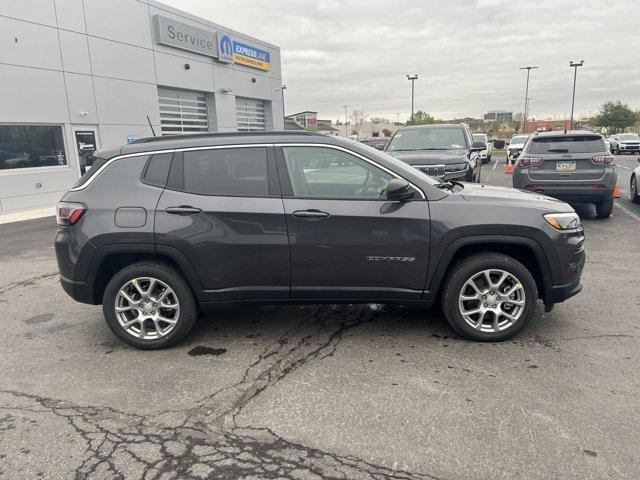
(463, 270)
(633, 189)
(489, 159)
(188, 309)
(604, 209)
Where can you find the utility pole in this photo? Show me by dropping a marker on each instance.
(413, 78)
(573, 97)
(526, 96)
(346, 135)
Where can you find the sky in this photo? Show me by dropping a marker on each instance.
(467, 53)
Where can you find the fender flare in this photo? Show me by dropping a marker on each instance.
(438, 272)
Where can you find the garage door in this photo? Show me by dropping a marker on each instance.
(250, 114)
(182, 111)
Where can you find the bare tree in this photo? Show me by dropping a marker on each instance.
(358, 117)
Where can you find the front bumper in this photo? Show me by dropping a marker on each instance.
(629, 148)
(444, 172)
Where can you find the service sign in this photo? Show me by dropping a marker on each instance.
(251, 56)
(185, 37)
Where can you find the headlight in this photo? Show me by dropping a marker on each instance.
(563, 221)
(456, 167)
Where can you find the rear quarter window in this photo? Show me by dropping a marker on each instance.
(157, 169)
(98, 162)
(567, 144)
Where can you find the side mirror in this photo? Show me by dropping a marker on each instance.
(399, 190)
(478, 146)
(379, 146)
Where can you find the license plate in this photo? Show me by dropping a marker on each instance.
(565, 166)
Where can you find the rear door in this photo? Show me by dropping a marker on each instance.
(222, 210)
(567, 157)
(347, 240)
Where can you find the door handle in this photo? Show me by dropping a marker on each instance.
(183, 210)
(311, 214)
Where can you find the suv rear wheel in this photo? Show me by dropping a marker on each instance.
(633, 189)
(489, 297)
(604, 209)
(149, 305)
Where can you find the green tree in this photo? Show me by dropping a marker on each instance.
(616, 117)
(421, 118)
(386, 132)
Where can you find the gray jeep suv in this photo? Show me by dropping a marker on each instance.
(572, 166)
(164, 226)
(445, 151)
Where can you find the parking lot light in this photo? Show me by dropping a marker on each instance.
(575, 66)
(413, 78)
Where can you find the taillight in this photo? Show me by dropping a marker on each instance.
(603, 160)
(69, 213)
(529, 161)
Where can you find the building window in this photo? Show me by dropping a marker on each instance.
(28, 146)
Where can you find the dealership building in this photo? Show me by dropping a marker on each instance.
(76, 75)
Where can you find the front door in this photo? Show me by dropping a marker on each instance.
(222, 209)
(347, 240)
(86, 139)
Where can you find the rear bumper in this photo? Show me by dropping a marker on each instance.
(577, 191)
(79, 291)
(560, 293)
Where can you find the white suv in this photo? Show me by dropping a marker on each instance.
(485, 155)
(516, 145)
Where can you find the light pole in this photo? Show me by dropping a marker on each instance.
(346, 135)
(413, 78)
(573, 97)
(526, 96)
(284, 115)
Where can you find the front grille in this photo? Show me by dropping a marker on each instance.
(432, 170)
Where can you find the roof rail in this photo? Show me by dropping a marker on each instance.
(221, 134)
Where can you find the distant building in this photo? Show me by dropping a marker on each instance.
(546, 125)
(501, 116)
(305, 119)
(371, 129)
(325, 127)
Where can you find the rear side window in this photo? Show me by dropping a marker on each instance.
(227, 172)
(575, 144)
(98, 162)
(157, 169)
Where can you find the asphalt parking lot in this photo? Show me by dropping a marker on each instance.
(355, 392)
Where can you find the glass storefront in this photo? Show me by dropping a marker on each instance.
(29, 146)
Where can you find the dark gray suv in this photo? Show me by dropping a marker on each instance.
(572, 166)
(164, 226)
(445, 151)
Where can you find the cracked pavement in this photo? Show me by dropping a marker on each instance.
(297, 392)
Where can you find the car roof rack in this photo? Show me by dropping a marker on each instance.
(221, 134)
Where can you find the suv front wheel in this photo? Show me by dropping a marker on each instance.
(149, 305)
(489, 297)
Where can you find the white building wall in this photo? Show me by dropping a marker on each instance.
(95, 63)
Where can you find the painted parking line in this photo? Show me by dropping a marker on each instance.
(622, 166)
(495, 165)
(628, 212)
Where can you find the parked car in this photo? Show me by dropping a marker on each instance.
(163, 227)
(622, 143)
(444, 151)
(515, 146)
(485, 155)
(634, 194)
(574, 166)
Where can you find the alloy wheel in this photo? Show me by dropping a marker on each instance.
(492, 300)
(147, 308)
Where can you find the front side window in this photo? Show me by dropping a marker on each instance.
(227, 172)
(329, 173)
(428, 138)
(28, 146)
(567, 144)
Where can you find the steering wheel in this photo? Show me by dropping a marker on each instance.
(370, 186)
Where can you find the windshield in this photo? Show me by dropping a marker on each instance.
(398, 165)
(519, 139)
(629, 136)
(428, 138)
(576, 144)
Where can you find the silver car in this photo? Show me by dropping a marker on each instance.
(575, 167)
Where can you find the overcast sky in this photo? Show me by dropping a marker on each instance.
(466, 52)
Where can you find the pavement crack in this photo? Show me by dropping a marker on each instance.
(205, 441)
(26, 283)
